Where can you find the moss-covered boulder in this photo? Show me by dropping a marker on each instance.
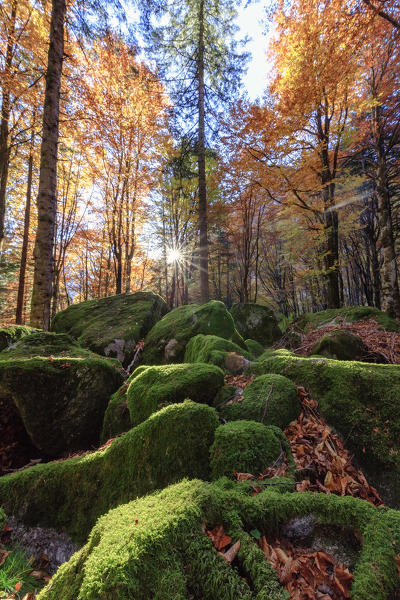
(348, 314)
(59, 389)
(167, 341)
(71, 494)
(112, 326)
(256, 322)
(270, 399)
(10, 335)
(158, 386)
(254, 347)
(245, 447)
(341, 344)
(155, 547)
(362, 402)
(213, 349)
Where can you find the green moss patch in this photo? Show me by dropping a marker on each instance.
(256, 322)
(158, 386)
(362, 402)
(245, 447)
(270, 399)
(341, 345)
(71, 494)
(10, 335)
(155, 547)
(46, 344)
(349, 314)
(212, 349)
(254, 347)
(167, 340)
(112, 326)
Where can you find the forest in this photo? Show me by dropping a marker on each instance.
(200, 300)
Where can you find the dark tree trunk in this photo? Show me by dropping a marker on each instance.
(203, 225)
(47, 194)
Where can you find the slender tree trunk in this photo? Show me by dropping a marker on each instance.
(5, 117)
(203, 225)
(25, 241)
(47, 195)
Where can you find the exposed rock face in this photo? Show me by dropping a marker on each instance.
(341, 345)
(59, 389)
(166, 342)
(112, 326)
(256, 322)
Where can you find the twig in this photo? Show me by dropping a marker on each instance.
(266, 403)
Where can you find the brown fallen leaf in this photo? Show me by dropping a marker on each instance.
(231, 554)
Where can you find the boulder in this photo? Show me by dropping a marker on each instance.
(166, 342)
(256, 322)
(10, 335)
(217, 351)
(269, 399)
(245, 447)
(59, 389)
(112, 326)
(347, 314)
(254, 347)
(71, 494)
(158, 386)
(341, 345)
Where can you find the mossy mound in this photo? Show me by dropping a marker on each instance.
(254, 347)
(155, 547)
(71, 494)
(167, 340)
(256, 322)
(158, 386)
(361, 400)
(245, 447)
(349, 314)
(212, 349)
(10, 335)
(341, 344)
(112, 326)
(270, 399)
(59, 389)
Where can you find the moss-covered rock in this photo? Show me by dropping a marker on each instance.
(60, 390)
(245, 447)
(341, 344)
(167, 341)
(112, 326)
(11, 335)
(71, 494)
(213, 349)
(348, 314)
(254, 347)
(3, 518)
(155, 547)
(361, 400)
(256, 322)
(158, 386)
(270, 399)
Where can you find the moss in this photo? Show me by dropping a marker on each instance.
(243, 446)
(46, 344)
(256, 322)
(360, 400)
(10, 335)
(271, 399)
(3, 518)
(155, 547)
(341, 345)
(61, 400)
(158, 386)
(350, 314)
(112, 326)
(71, 494)
(212, 349)
(167, 340)
(254, 347)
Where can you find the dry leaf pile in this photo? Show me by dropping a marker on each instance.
(308, 575)
(379, 342)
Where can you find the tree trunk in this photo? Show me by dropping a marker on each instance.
(5, 117)
(25, 241)
(203, 226)
(47, 194)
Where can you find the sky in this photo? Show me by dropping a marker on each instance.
(250, 23)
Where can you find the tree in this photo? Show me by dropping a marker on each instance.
(198, 40)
